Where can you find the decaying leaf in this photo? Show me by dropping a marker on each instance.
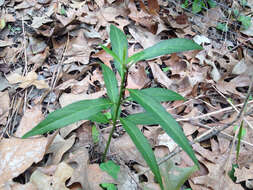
(55, 181)
(25, 81)
(17, 154)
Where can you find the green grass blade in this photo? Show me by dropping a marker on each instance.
(165, 47)
(239, 140)
(144, 118)
(77, 111)
(162, 94)
(119, 45)
(111, 83)
(143, 146)
(167, 122)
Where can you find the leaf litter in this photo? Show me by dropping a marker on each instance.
(49, 58)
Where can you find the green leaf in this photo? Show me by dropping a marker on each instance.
(211, 3)
(185, 4)
(221, 26)
(162, 94)
(99, 118)
(165, 47)
(77, 111)
(231, 173)
(119, 46)
(108, 186)
(245, 20)
(111, 83)
(166, 69)
(167, 122)
(143, 146)
(241, 132)
(144, 118)
(174, 176)
(2, 23)
(111, 168)
(196, 6)
(95, 134)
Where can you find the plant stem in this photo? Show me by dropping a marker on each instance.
(115, 116)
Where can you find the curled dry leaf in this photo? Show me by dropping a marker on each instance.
(17, 154)
(25, 81)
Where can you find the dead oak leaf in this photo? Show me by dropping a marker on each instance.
(243, 174)
(90, 176)
(78, 50)
(25, 81)
(16, 154)
(53, 182)
(216, 179)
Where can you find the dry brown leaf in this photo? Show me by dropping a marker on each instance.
(159, 75)
(18, 186)
(16, 154)
(53, 182)
(142, 17)
(4, 43)
(144, 37)
(125, 148)
(25, 81)
(216, 179)
(137, 77)
(59, 146)
(4, 106)
(90, 176)
(78, 50)
(244, 174)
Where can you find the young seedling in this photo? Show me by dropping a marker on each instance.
(149, 99)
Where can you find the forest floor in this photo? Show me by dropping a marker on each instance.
(49, 57)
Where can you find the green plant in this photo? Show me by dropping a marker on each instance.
(149, 99)
(198, 5)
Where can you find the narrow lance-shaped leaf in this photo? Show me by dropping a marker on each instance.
(99, 117)
(110, 83)
(143, 146)
(77, 111)
(162, 95)
(143, 118)
(167, 122)
(165, 47)
(119, 45)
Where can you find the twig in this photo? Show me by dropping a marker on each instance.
(212, 113)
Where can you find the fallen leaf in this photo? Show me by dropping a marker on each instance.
(78, 50)
(25, 81)
(17, 154)
(4, 108)
(59, 146)
(243, 174)
(54, 182)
